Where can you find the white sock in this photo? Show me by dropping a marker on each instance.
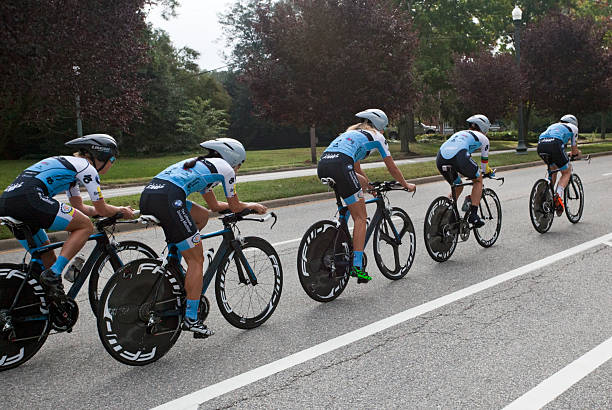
(560, 190)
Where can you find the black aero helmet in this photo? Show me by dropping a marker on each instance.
(101, 146)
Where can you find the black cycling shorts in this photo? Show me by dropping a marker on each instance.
(30, 204)
(168, 203)
(555, 150)
(462, 163)
(340, 167)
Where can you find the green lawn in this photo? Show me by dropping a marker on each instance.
(128, 170)
(285, 188)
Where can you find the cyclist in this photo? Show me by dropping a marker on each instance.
(457, 150)
(165, 197)
(30, 199)
(341, 162)
(553, 142)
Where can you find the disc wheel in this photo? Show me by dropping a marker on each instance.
(541, 206)
(573, 199)
(441, 229)
(324, 260)
(140, 312)
(24, 329)
(491, 213)
(242, 303)
(395, 241)
(102, 270)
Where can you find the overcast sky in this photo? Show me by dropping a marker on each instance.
(196, 26)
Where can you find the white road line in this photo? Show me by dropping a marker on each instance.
(607, 174)
(608, 243)
(193, 400)
(565, 378)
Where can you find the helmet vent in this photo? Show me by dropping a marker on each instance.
(228, 145)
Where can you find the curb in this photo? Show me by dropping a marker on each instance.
(11, 244)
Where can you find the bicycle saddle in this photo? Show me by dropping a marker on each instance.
(329, 181)
(10, 221)
(146, 219)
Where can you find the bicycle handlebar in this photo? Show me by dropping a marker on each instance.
(385, 186)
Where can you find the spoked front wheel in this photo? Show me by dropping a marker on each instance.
(103, 269)
(242, 302)
(140, 312)
(23, 329)
(573, 198)
(395, 240)
(491, 213)
(441, 229)
(324, 260)
(541, 206)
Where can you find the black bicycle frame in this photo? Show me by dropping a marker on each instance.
(103, 246)
(229, 243)
(380, 214)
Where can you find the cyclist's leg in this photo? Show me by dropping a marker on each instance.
(451, 177)
(199, 214)
(467, 167)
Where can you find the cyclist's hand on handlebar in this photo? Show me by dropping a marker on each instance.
(259, 208)
(409, 187)
(127, 212)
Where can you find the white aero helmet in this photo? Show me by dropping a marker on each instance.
(569, 118)
(231, 150)
(377, 117)
(481, 121)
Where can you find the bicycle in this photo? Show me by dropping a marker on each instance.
(541, 199)
(325, 254)
(27, 314)
(142, 306)
(443, 225)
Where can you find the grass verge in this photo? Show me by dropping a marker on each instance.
(258, 191)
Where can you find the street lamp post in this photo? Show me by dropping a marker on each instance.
(517, 15)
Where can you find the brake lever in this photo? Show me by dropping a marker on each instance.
(273, 215)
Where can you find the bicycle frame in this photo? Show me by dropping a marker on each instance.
(229, 243)
(379, 214)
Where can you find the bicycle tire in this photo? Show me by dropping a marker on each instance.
(102, 270)
(439, 230)
(266, 265)
(541, 207)
(135, 291)
(574, 192)
(384, 233)
(488, 203)
(29, 335)
(321, 277)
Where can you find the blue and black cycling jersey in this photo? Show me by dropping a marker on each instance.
(357, 144)
(561, 131)
(205, 175)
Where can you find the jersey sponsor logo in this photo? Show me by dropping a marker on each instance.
(330, 156)
(97, 180)
(231, 181)
(13, 187)
(178, 203)
(49, 180)
(87, 178)
(195, 239)
(45, 198)
(66, 209)
(155, 186)
(349, 166)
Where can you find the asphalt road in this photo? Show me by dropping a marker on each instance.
(445, 338)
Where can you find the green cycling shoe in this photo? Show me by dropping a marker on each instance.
(362, 276)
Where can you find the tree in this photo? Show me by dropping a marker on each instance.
(314, 62)
(576, 69)
(53, 51)
(487, 83)
(201, 121)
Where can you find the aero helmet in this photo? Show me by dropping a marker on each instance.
(481, 121)
(101, 146)
(569, 118)
(231, 150)
(377, 117)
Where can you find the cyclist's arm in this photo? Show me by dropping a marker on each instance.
(397, 174)
(213, 204)
(484, 154)
(235, 205)
(364, 181)
(104, 209)
(77, 203)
